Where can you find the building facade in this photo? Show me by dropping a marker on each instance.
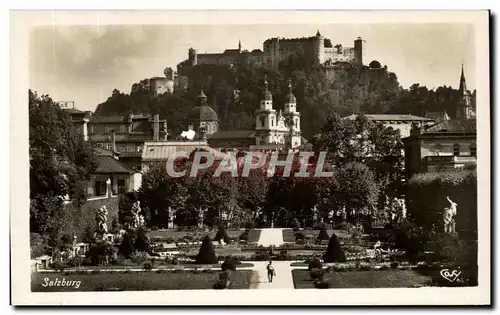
(447, 145)
(202, 119)
(120, 134)
(276, 127)
(403, 123)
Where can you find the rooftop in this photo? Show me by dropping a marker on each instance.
(232, 134)
(452, 126)
(110, 165)
(391, 117)
(163, 150)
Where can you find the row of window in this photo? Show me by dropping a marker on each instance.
(456, 149)
(100, 188)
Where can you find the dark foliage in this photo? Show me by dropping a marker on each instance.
(334, 252)
(230, 264)
(126, 248)
(315, 264)
(323, 235)
(206, 255)
(222, 235)
(142, 242)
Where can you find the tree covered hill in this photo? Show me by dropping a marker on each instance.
(234, 93)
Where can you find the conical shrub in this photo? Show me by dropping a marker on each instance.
(206, 255)
(142, 242)
(334, 253)
(127, 246)
(222, 235)
(323, 235)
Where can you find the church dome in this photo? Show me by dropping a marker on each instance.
(203, 113)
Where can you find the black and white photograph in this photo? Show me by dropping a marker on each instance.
(259, 157)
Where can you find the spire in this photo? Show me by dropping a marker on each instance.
(202, 98)
(266, 95)
(290, 98)
(463, 86)
(239, 45)
(318, 34)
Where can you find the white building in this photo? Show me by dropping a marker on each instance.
(276, 127)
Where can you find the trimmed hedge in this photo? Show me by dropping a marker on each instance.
(426, 199)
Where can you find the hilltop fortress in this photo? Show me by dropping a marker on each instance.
(275, 50)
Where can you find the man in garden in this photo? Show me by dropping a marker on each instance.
(270, 271)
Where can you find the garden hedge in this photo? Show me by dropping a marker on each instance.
(426, 199)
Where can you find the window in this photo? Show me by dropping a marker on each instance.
(123, 129)
(107, 130)
(473, 151)
(121, 186)
(263, 121)
(456, 149)
(272, 121)
(438, 149)
(100, 188)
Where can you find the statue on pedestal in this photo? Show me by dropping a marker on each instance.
(137, 218)
(171, 217)
(449, 216)
(201, 215)
(102, 222)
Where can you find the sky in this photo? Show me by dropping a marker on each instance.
(85, 63)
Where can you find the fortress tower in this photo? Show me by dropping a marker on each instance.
(320, 47)
(358, 51)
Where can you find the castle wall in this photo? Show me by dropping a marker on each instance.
(161, 85)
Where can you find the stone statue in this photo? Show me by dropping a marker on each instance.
(201, 215)
(137, 218)
(171, 217)
(449, 216)
(102, 221)
(315, 213)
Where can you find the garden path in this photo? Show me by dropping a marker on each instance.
(282, 280)
(270, 237)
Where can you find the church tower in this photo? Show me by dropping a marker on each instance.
(292, 119)
(265, 117)
(464, 109)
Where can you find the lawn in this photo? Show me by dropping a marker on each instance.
(138, 281)
(364, 279)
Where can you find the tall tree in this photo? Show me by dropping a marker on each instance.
(60, 164)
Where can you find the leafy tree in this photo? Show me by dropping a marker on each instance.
(159, 191)
(359, 190)
(60, 165)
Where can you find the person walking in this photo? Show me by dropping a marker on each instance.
(270, 271)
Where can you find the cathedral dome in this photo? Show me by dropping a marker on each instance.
(203, 113)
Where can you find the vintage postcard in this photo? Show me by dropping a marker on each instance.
(250, 158)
